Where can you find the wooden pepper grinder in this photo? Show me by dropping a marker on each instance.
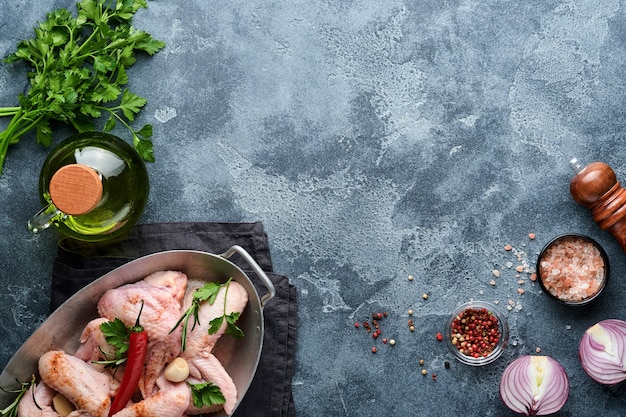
(595, 186)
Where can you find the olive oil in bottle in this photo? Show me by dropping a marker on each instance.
(95, 187)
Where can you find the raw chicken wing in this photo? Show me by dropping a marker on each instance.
(161, 294)
(93, 342)
(210, 369)
(203, 366)
(80, 383)
(171, 400)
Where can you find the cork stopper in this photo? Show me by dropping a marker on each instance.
(75, 189)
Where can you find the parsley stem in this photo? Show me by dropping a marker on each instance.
(21, 122)
(4, 147)
(113, 111)
(7, 137)
(86, 42)
(29, 126)
(226, 294)
(9, 111)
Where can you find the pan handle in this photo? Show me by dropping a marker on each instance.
(271, 291)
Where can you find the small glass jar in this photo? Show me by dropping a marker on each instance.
(573, 269)
(471, 350)
(93, 186)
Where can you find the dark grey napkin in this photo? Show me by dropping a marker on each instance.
(78, 263)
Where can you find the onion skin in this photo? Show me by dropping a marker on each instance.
(602, 352)
(534, 386)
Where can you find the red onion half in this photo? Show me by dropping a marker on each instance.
(602, 351)
(534, 386)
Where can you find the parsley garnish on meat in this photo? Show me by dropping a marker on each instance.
(78, 74)
(117, 334)
(208, 293)
(206, 394)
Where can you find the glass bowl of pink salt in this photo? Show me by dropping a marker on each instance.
(477, 333)
(573, 269)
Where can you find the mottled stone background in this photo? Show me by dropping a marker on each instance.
(375, 140)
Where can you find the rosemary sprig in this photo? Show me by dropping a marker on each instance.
(11, 409)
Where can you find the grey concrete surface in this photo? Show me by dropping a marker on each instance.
(375, 140)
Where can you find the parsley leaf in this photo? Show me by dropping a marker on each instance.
(215, 324)
(206, 394)
(78, 73)
(208, 292)
(232, 328)
(117, 334)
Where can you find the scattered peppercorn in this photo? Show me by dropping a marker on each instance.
(373, 326)
(434, 377)
(421, 361)
(412, 328)
(410, 312)
(410, 278)
(424, 371)
(425, 296)
(439, 337)
(392, 342)
(446, 365)
(374, 349)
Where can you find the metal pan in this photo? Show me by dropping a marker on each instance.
(62, 329)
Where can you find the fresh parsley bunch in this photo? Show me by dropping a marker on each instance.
(79, 74)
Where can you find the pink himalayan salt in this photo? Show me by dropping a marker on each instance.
(572, 269)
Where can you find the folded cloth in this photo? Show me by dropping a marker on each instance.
(78, 263)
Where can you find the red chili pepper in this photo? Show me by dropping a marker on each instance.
(134, 366)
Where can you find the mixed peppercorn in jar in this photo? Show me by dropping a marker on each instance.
(477, 333)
